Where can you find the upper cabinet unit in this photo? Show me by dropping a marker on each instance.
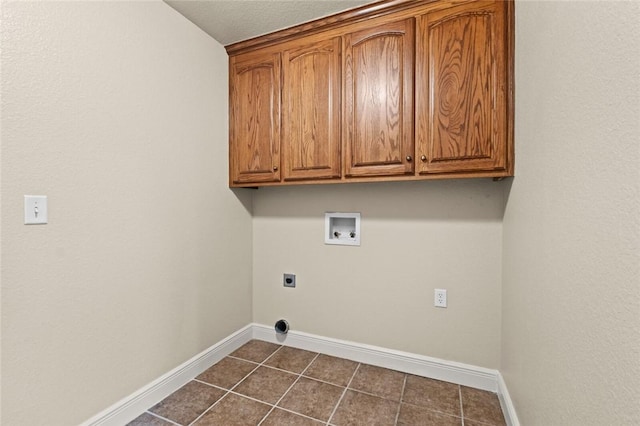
(254, 115)
(378, 100)
(311, 110)
(461, 108)
(393, 91)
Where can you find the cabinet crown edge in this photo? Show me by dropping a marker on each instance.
(350, 16)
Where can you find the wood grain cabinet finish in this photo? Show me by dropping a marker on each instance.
(311, 111)
(462, 95)
(254, 113)
(393, 91)
(379, 100)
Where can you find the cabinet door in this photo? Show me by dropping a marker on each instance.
(254, 134)
(378, 105)
(311, 111)
(461, 100)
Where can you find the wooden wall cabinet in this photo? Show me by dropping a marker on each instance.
(461, 106)
(254, 115)
(397, 90)
(311, 110)
(378, 99)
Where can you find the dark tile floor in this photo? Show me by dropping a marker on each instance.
(270, 385)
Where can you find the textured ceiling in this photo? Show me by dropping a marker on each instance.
(229, 21)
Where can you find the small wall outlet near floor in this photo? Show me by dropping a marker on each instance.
(440, 298)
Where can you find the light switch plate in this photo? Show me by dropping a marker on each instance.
(35, 209)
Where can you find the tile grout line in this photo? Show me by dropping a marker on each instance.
(210, 385)
(482, 422)
(208, 409)
(285, 371)
(461, 407)
(445, 413)
(163, 418)
(343, 394)
(360, 391)
(323, 381)
(234, 386)
(271, 405)
(404, 384)
(290, 387)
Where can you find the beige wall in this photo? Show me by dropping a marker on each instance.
(415, 237)
(571, 283)
(118, 112)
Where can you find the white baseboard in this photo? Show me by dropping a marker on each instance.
(449, 371)
(506, 403)
(137, 403)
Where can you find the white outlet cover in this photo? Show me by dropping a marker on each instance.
(440, 298)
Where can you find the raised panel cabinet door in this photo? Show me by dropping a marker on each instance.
(311, 111)
(461, 99)
(254, 133)
(378, 103)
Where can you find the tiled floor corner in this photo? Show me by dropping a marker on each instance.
(266, 384)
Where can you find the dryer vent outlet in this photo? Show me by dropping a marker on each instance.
(282, 327)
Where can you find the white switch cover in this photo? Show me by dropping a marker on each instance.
(35, 209)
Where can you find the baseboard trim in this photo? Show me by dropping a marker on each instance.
(506, 403)
(137, 403)
(450, 371)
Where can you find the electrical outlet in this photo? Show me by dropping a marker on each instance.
(440, 298)
(289, 280)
